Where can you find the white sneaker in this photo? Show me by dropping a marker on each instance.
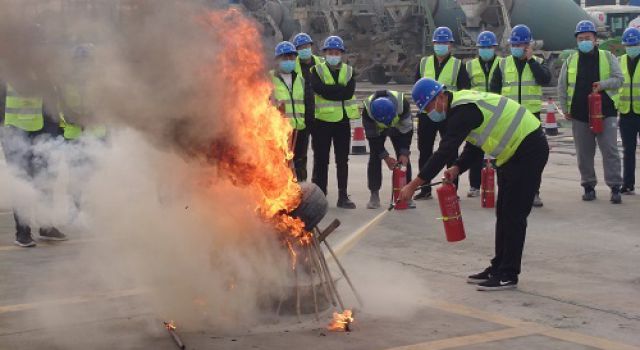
(473, 192)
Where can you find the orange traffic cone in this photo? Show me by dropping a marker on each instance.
(358, 142)
(550, 123)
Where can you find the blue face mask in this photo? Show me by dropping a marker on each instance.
(305, 54)
(436, 116)
(287, 66)
(585, 46)
(486, 53)
(517, 52)
(441, 49)
(333, 60)
(633, 51)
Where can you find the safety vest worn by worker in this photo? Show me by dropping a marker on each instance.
(479, 81)
(23, 112)
(316, 60)
(604, 71)
(630, 90)
(292, 99)
(506, 123)
(448, 75)
(332, 111)
(397, 98)
(530, 92)
(73, 100)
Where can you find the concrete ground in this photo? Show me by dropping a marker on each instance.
(579, 289)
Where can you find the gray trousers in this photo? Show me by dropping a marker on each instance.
(585, 142)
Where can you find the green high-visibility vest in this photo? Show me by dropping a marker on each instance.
(479, 81)
(506, 123)
(630, 90)
(73, 99)
(292, 99)
(530, 92)
(397, 98)
(448, 75)
(332, 111)
(316, 60)
(604, 71)
(23, 112)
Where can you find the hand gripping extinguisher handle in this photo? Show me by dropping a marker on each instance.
(393, 205)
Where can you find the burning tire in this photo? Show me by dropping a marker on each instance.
(313, 206)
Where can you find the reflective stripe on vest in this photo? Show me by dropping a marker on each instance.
(23, 112)
(530, 93)
(397, 98)
(293, 100)
(448, 75)
(333, 111)
(604, 72)
(479, 81)
(316, 60)
(630, 89)
(505, 124)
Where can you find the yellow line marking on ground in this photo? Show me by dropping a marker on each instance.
(516, 327)
(472, 339)
(72, 300)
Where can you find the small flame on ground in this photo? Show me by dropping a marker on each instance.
(341, 321)
(171, 326)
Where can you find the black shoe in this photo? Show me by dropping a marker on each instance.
(496, 283)
(422, 196)
(589, 194)
(480, 277)
(52, 234)
(616, 198)
(627, 190)
(24, 240)
(345, 203)
(537, 201)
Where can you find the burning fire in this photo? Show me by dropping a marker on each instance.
(341, 321)
(171, 326)
(254, 152)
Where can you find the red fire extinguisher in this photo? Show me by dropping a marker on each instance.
(488, 185)
(450, 208)
(398, 182)
(595, 112)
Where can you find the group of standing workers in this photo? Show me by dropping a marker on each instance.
(34, 111)
(493, 104)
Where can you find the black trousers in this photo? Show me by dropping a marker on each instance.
(475, 173)
(374, 167)
(300, 154)
(427, 130)
(518, 180)
(629, 131)
(323, 135)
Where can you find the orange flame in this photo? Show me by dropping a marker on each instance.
(255, 151)
(171, 326)
(341, 321)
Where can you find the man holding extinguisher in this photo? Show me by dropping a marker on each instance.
(385, 114)
(587, 71)
(505, 130)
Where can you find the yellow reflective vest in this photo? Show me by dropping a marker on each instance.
(333, 111)
(506, 123)
(316, 60)
(522, 89)
(479, 81)
(448, 75)
(23, 112)
(292, 99)
(605, 73)
(630, 90)
(397, 98)
(73, 99)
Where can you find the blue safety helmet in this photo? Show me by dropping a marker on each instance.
(585, 26)
(486, 39)
(333, 42)
(285, 48)
(302, 39)
(520, 34)
(424, 91)
(442, 35)
(631, 37)
(383, 110)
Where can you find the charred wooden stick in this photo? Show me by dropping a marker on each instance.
(326, 269)
(327, 231)
(298, 313)
(321, 275)
(313, 286)
(344, 273)
(172, 332)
